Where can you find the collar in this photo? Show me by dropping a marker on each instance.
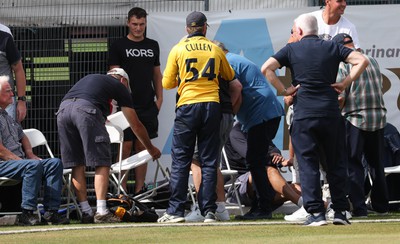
(196, 34)
(310, 37)
(3, 112)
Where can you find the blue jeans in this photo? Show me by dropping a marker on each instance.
(31, 172)
(201, 121)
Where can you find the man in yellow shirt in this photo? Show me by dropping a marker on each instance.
(193, 66)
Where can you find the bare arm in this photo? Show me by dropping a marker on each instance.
(26, 145)
(359, 63)
(21, 89)
(235, 90)
(157, 84)
(268, 69)
(6, 154)
(140, 131)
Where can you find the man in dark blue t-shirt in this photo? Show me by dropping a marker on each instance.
(84, 140)
(318, 128)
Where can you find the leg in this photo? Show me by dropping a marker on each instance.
(126, 152)
(280, 185)
(101, 182)
(52, 173)
(79, 182)
(30, 172)
(141, 171)
(374, 155)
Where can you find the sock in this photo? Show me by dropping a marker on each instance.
(85, 207)
(102, 207)
(300, 202)
(220, 206)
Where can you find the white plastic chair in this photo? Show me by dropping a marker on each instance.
(36, 138)
(233, 174)
(118, 120)
(392, 170)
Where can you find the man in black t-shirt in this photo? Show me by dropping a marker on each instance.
(83, 137)
(139, 56)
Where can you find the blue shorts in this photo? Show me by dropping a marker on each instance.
(82, 134)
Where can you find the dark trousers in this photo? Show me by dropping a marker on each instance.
(367, 144)
(314, 139)
(257, 158)
(201, 121)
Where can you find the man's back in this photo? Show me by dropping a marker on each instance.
(197, 62)
(314, 63)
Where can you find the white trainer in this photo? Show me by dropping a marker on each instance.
(299, 215)
(167, 218)
(330, 214)
(223, 216)
(194, 215)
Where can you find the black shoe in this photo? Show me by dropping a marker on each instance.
(54, 218)
(340, 218)
(28, 218)
(255, 215)
(87, 218)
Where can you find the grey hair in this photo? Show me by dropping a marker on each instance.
(220, 45)
(307, 23)
(3, 79)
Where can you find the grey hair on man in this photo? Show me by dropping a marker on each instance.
(3, 79)
(307, 23)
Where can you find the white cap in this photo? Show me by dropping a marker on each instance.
(118, 71)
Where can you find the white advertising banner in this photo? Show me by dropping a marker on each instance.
(258, 34)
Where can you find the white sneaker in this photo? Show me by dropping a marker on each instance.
(194, 215)
(223, 216)
(298, 216)
(167, 218)
(330, 214)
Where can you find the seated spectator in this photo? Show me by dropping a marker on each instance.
(18, 162)
(235, 149)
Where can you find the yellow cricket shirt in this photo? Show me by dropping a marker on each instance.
(193, 66)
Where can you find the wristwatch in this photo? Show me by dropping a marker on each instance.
(23, 98)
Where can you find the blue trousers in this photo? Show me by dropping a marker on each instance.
(370, 145)
(315, 139)
(31, 172)
(201, 121)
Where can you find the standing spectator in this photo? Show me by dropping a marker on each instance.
(193, 66)
(317, 123)
(84, 140)
(260, 114)
(139, 56)
(17, 161)
(331, 22)
(10, 65)
(365, 114)
(230, 98)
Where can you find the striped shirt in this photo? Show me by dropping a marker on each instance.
(11, 134)
(364, 106)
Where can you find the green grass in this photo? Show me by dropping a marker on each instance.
(361, 231)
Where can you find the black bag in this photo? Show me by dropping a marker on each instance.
(129, 209)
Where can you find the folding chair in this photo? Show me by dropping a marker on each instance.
(231, 186)
(392, 170)
(118, 120)
(36, 138)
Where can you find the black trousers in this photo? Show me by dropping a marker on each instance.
(368, 147)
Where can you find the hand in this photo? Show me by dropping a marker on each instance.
(291, 90)
(154, 152)
(277, 159)
(339, 87)
(21, 110)
(288, 100)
